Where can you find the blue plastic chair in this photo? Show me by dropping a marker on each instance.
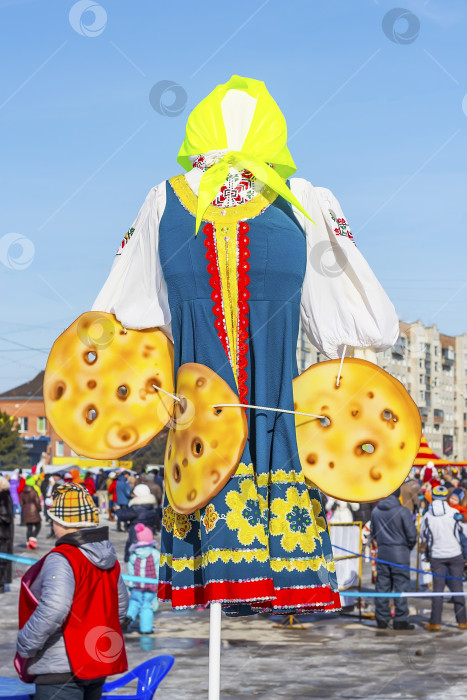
(148, 674)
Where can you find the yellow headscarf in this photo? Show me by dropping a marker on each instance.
(266, 142)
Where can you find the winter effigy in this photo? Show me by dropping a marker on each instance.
(223, 262)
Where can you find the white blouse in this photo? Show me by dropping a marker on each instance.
(342, 302)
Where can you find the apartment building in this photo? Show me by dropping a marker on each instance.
(433, 368)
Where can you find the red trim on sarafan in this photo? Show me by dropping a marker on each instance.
(259, 594)
(225, 591)
(243, 267)
(322, 597)
(215, 282)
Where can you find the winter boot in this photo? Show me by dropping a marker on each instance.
(403, 625)
(126, 622)
(430, 627)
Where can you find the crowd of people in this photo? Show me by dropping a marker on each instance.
(430, 509)
(428, 512)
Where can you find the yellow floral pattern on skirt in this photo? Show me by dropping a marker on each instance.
(247, 509)
(292, 519)
(177, 522)
(210, 517)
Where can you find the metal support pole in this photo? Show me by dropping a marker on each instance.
(360, 570)
(417, 577)
(215, 651)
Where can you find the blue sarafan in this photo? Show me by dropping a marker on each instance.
(269, 251)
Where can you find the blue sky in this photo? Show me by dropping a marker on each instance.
(381, 121)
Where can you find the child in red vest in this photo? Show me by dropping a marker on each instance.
(71, 604)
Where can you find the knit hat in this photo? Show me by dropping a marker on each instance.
(439, 492)
(73, 507)
(459, 493)
(144, 534)
(141, 490)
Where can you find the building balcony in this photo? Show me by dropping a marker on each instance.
(448, 356)
(438, 416)
(398, 349)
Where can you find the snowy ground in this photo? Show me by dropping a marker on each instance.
(337, 657)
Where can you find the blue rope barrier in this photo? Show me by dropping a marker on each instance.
(400, 566)
(347, 593)
(30, 561)
(400, 594)
(21, 560)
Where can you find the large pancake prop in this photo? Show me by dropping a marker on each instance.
(358, 432)
(101, 386)
(365, 444)
(205, 442)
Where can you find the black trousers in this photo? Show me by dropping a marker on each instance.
(33, 529)
(71, 690)
(447, 567)
(391, 578)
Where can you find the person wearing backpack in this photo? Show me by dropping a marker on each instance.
(144, 562)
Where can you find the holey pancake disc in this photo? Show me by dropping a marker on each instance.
(100, 386)
(205, 442)
(364, 447)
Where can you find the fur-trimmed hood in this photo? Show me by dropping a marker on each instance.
(146, 500)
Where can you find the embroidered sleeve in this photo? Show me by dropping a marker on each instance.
(135, 290)
(333, 213)
(342, 301)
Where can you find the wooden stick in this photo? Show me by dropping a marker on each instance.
(340, 366)
(265, 408)
(158, 388)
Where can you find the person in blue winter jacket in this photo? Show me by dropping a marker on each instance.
(393, 528)
(123, 493)
(123, 489)
(144, 562)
